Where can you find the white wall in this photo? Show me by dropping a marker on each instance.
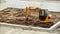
(51, 6)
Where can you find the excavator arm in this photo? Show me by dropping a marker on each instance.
(28, 9)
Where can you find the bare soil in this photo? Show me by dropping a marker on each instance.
(17, 16)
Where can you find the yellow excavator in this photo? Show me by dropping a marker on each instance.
(44, 18)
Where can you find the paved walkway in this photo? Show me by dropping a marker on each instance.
(11, 30)
(51, 6)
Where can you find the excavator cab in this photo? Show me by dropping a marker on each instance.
(44, 18)
(42, 14)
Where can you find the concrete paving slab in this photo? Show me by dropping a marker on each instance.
(12, 30)
(51, 6)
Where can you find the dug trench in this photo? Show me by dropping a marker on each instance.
(17, 16)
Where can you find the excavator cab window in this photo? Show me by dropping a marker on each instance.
(42, 14)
